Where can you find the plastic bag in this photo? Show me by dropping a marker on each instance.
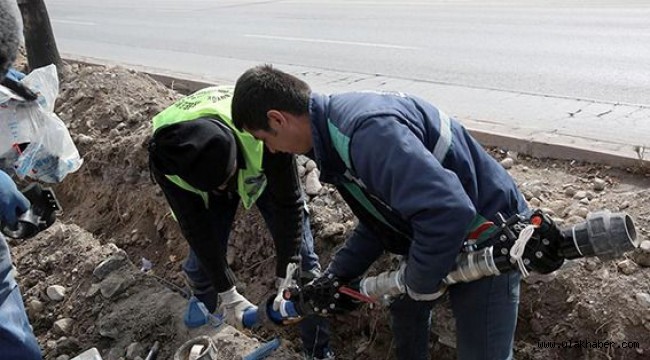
(34, 142)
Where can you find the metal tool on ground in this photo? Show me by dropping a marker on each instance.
(38, 217)
(153, 352)
(198, 348)
(263, 350)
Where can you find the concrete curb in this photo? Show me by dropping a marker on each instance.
(187, 83)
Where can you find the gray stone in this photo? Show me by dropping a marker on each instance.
(513, 155)
(301, 171)
(59, 233)
(642, 256)
(558, 221)
(549, 211)
(581, 212)
(572, 220)
(115, 354)
(535, 278)
(68, 345)
(645, 246)
(93, 290)
(557, 205)
(584, 201)
(134, 350)
(310, 165)
(599, 184)
(55, 292)
(108, 330)
(63, 326)
(591, 265)
(302, 160)
(312, 184)
(85, 139)
(527, 194)
(35, 307)
(580, 195)
(535, 202)
(537, 191)
(643, 299)
(570, 191)
(63, 357)
(627, 266)
(113, 286)
(111, 264)
(507, 163)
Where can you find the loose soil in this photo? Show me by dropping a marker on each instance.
(113, 209)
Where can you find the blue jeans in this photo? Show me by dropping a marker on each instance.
(17, 341)
(485, 312)
(314, 330)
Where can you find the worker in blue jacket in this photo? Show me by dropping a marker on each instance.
(17, 341)
(418, 183)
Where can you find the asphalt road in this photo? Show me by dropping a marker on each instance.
(562, 72)
(593, 49)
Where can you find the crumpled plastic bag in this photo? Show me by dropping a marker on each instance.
(34, 141)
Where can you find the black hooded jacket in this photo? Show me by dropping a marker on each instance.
(207, 228)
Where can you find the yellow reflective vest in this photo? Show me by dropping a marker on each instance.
(215, 102)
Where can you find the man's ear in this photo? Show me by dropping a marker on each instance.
(277, 120)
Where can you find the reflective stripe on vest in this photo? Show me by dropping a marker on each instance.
(215, 102)
(444, 141)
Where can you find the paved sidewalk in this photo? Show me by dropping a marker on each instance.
(538, 125)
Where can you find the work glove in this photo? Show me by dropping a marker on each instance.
(232, 306)
(323, 295)
(12, 202)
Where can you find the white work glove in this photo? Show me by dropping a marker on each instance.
(282, 283)
(232, 306)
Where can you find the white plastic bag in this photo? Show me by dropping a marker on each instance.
(34, 142)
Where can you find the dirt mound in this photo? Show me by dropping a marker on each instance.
(108, 111)
(81, 294)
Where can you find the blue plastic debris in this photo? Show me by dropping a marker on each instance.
(263, 350)
(197, 315)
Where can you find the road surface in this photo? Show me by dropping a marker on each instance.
(568, 71)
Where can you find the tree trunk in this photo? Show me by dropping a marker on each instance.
(39, 38)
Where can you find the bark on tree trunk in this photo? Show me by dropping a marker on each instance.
(39, 38)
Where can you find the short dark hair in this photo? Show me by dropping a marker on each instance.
(264, 88)
(9, 36)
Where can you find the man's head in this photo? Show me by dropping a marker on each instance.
(9, 35)
(274, 107)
